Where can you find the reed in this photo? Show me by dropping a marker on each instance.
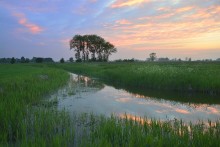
(22, 123)
(136, 131)
(183, 76)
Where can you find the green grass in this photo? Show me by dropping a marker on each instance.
(182, 77)
(135, 131)
(25, 121)
(21, 87)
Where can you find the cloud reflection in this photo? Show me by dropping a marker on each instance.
(124, 100)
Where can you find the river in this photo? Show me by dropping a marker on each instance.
(87, 95)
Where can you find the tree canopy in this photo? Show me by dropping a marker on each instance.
(91, 47)
(153, 56)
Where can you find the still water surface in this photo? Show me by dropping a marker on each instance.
(87, 95)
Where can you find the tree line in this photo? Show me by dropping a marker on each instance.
(91, 48)
(26, 60)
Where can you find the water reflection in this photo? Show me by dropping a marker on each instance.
(86, 95)
(77, 85)
(192, 97)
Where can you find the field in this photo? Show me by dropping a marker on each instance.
(192, 77)
(27, 119)
(22, 123)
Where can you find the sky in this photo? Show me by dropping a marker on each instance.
(170, 28)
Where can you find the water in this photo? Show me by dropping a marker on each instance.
(86, 95)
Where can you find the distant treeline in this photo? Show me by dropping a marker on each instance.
(165, 59)
(26, 60)
(62, 60)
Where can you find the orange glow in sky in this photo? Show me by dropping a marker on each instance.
(171, 28)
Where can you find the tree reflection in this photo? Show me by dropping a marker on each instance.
(81, 83)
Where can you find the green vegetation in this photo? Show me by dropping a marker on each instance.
(136, 131)
(62, 60)
(91, 44)
(22, 123)
(12, 60)
(153, 56)
(172, 76)
(26, 120)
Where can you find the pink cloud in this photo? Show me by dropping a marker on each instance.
(213, 110)
(124, 100)
(182, 111)
(184, 9)
(32, 28)
(205, 13)
(123, 22)
(168, 13)
(162, 32)
(126, 3)
(163, 9)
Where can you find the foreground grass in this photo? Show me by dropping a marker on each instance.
(22, 87)
(183, 77)
(24, 123)
(135, 131)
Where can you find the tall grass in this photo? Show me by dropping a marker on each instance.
(21, 87)
(183, 77)
(138, 131)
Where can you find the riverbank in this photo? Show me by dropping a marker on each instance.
(190, 77)
(24, 121)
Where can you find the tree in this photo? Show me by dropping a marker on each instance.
(71, 59)
(48, 60)
(163, 59)
(27, 60)
(99, 47)
(12, 60)
(62, 60)
(108, 49)
(94, 44)
(153, 56)
(22, 59)
(76, 44)
(39, 60)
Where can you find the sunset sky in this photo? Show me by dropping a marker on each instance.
(170, 28)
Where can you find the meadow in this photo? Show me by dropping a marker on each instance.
(27, 119)
(194, 77)
(22, 123)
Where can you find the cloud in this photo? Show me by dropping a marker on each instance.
(123, 22)
(126, 3)
(184, 9)
(168, 28)
(166, 13)
(32, 28)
